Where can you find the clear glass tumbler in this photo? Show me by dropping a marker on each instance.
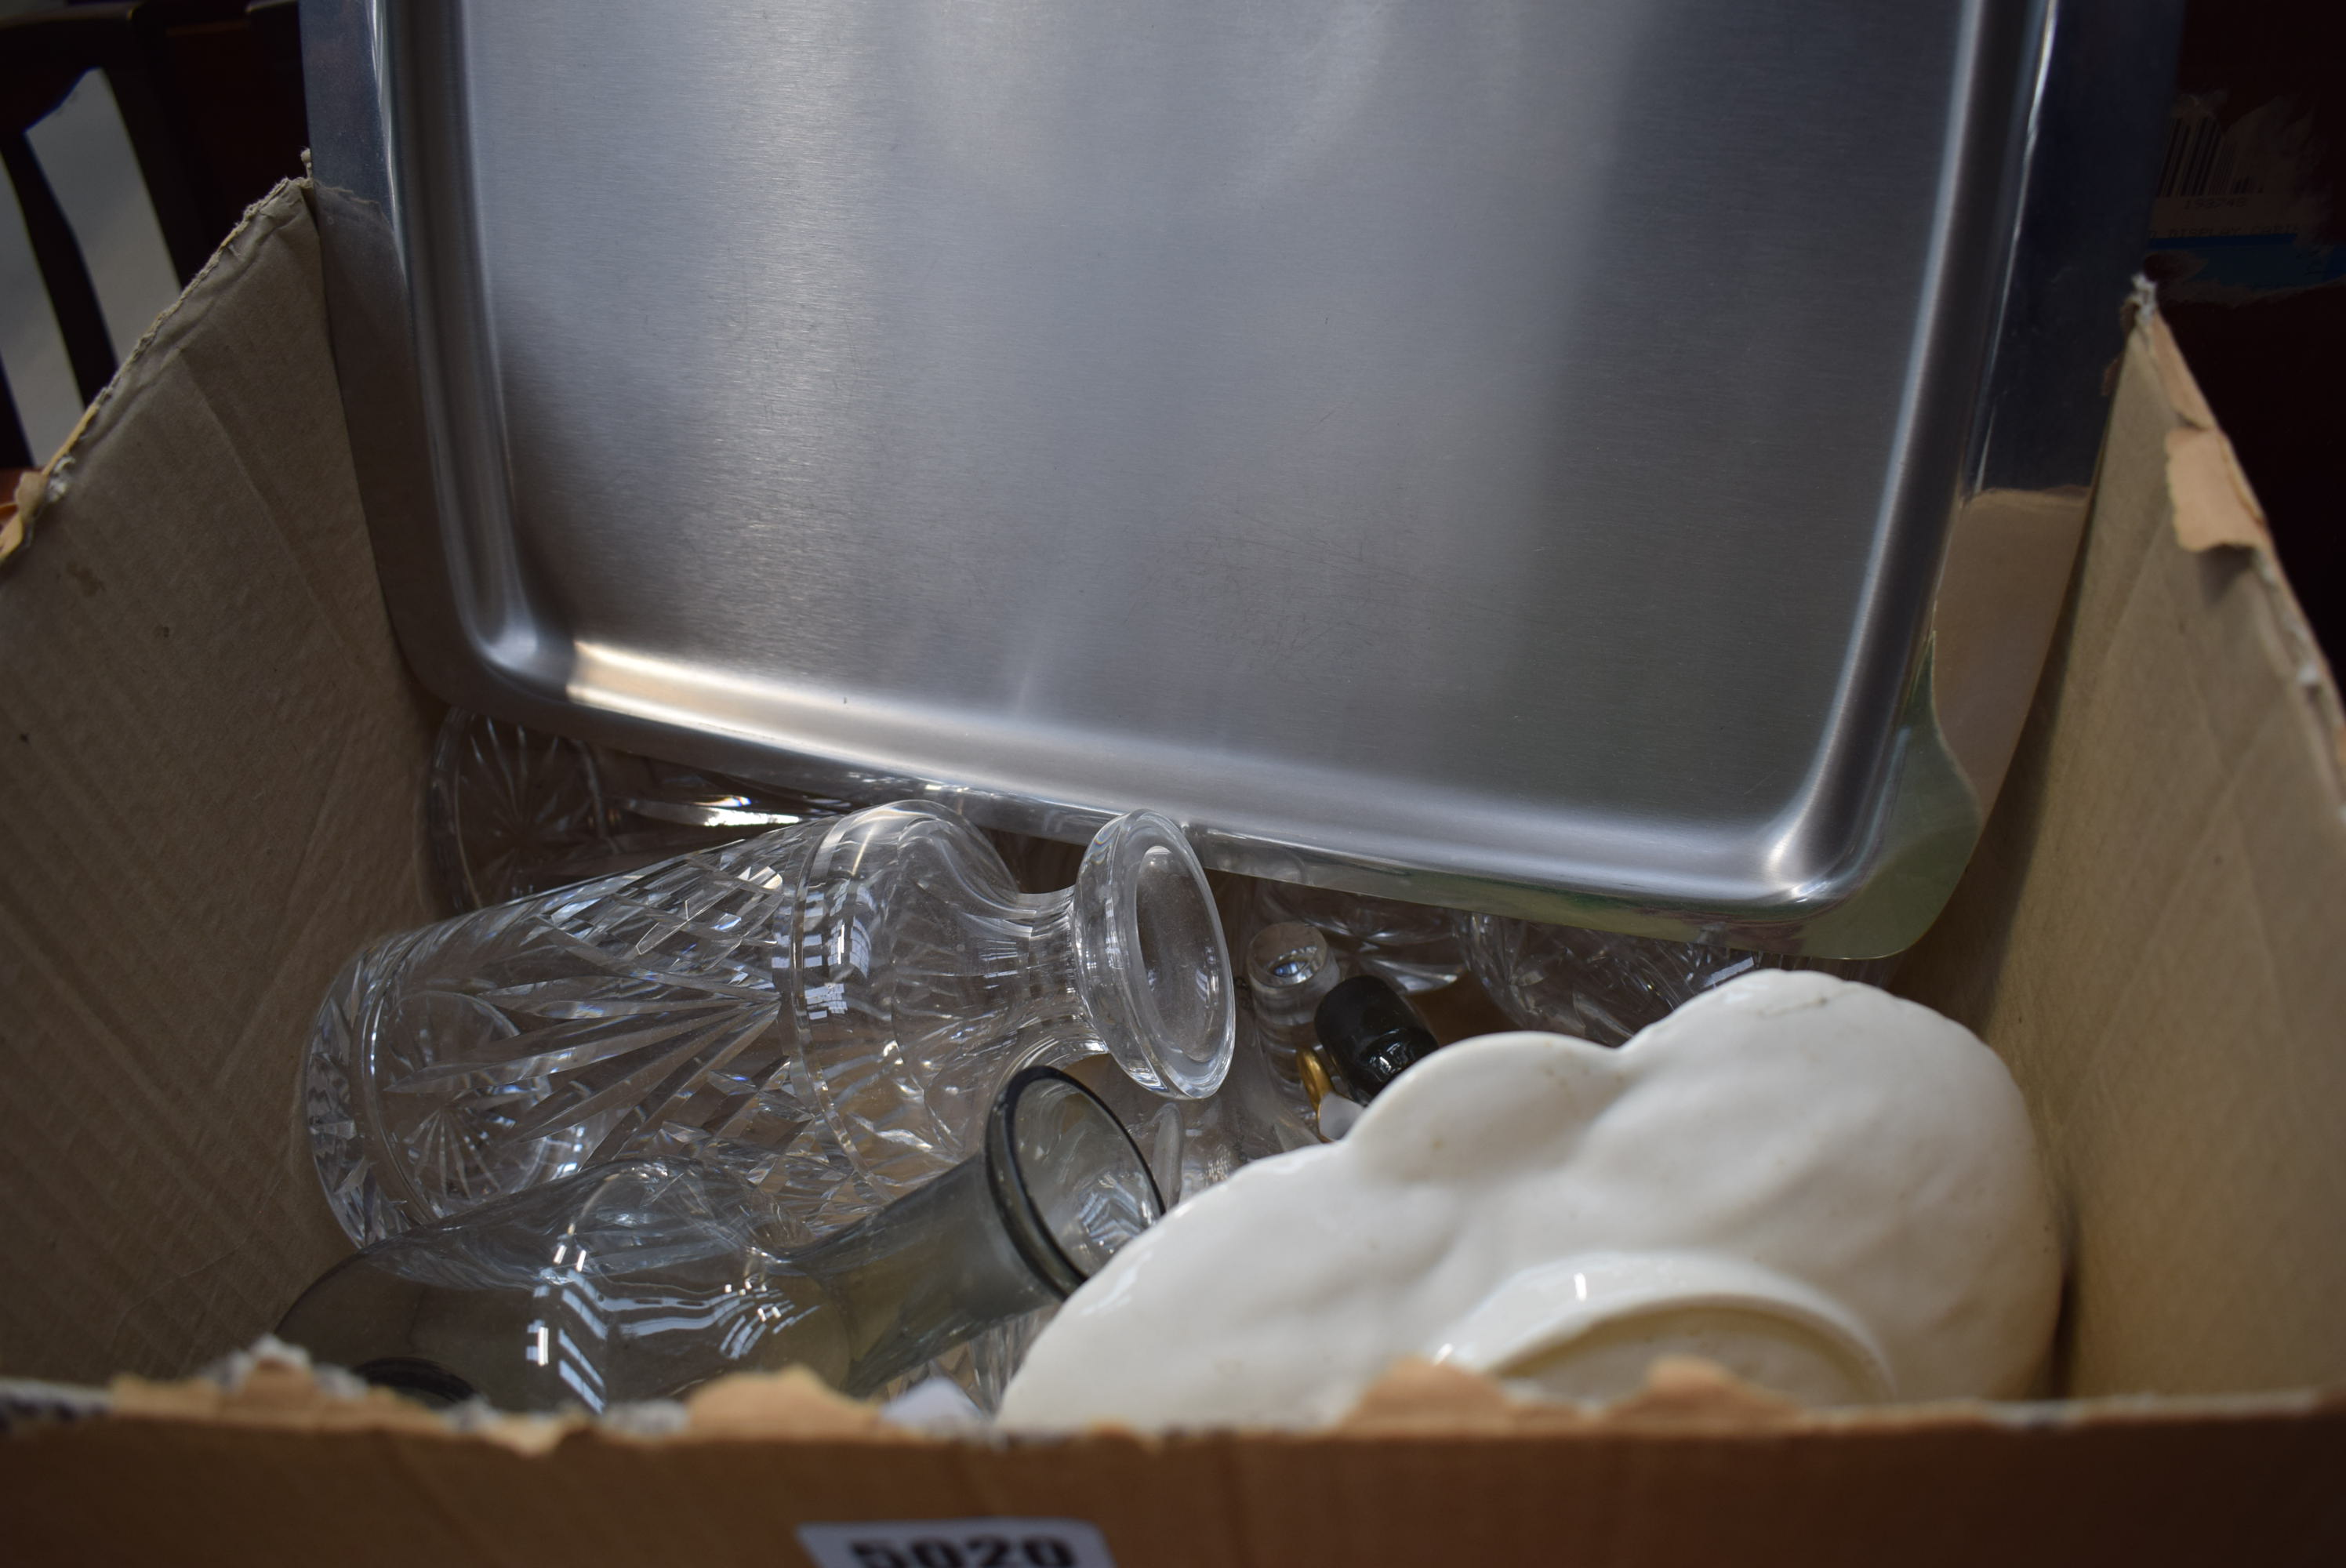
(1280, 1078)
(642, 1278)
(1414, 946)
(825, 1010)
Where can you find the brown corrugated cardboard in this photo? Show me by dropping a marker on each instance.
(2178, 1484)
(2149, 932)
(201, 826)
(210, 798)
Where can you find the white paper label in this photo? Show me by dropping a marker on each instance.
(957, 1543)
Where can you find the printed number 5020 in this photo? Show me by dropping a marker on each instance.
(967, 1552)
(996, 1543)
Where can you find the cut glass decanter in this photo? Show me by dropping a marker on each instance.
(825, 1010)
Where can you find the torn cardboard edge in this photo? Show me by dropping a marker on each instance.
(273, 1387)
(36, 488)
(2215, 507)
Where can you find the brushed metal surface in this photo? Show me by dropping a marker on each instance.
(1494, 452)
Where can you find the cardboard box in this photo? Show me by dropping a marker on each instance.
(214, 759)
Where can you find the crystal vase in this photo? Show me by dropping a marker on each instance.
(513, 810)
(825, 1010)
(641, 1278)
(1604, 986)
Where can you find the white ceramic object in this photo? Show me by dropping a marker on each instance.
(1828, 1190)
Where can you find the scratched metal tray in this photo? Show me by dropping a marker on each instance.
(1612, 461)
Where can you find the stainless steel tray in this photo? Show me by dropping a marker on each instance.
(1612, 461)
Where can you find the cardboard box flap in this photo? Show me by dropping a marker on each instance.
(2149, 931)
(2189, 1484)
(210, 799)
